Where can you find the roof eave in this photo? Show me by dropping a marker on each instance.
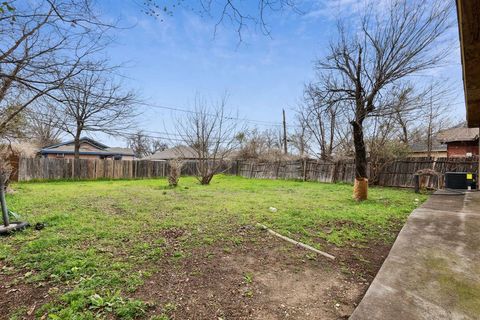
(468, 13)
(43, 151)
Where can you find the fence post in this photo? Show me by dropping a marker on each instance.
(335, 171)
(304, 169)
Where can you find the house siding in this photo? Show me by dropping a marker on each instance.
(433, 154)
(71, 156)
(89, 150)
(83, 156)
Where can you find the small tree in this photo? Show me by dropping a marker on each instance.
(174, 173)
(212, 133)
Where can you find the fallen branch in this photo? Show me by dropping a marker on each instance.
(303, 245)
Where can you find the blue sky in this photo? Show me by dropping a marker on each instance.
(169, 62)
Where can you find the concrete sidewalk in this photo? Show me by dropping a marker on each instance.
(433, 269)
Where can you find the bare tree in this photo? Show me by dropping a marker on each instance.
(212, 133)
(421, 112)
(44, 126)
(273, 138)
(44, 43)
(93, 103)
(322, 117)
(261, 145)
(144, 145)
(434, 117)
(251, 144)
(300, 138)
(405, 115)
(388, 48)
(383, 144)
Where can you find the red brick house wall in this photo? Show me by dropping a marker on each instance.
(461, 148)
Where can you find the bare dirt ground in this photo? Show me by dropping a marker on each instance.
(14, 293)
(263, 278)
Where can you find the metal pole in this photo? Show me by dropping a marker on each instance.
(478, 157)
(284, 132)
(6, 221)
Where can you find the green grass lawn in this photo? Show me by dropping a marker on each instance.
(102, 238)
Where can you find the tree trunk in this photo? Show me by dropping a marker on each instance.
(360, 151)
(76, 154)
(77, 146)
(361, 182)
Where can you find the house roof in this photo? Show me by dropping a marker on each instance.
(178, 152)
(422, 147)
(458, 134)
(98, 148)
(90, 141)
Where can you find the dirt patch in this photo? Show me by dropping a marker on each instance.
(259, 277)
(172, 233)
(18, 295)
(361, 263)
(263, 278)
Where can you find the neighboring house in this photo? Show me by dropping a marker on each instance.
(420, 150)
(179, 152)
(89, 149)
(460, 142)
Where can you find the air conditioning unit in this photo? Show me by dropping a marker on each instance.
(469, 154)
(460, 180)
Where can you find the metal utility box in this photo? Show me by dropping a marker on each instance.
(460, 180)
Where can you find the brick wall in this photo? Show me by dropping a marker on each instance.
(461, 148)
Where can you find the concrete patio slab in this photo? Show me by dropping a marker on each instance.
(433, 269)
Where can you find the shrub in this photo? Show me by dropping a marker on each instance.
(175, 170)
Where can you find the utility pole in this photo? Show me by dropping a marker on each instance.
(430, 124)
(285, 150)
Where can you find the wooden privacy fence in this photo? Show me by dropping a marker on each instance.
(57, 169)
(307, 170)
(398, 173)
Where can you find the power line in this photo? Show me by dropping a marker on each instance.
(168, 136)
(171, 108)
